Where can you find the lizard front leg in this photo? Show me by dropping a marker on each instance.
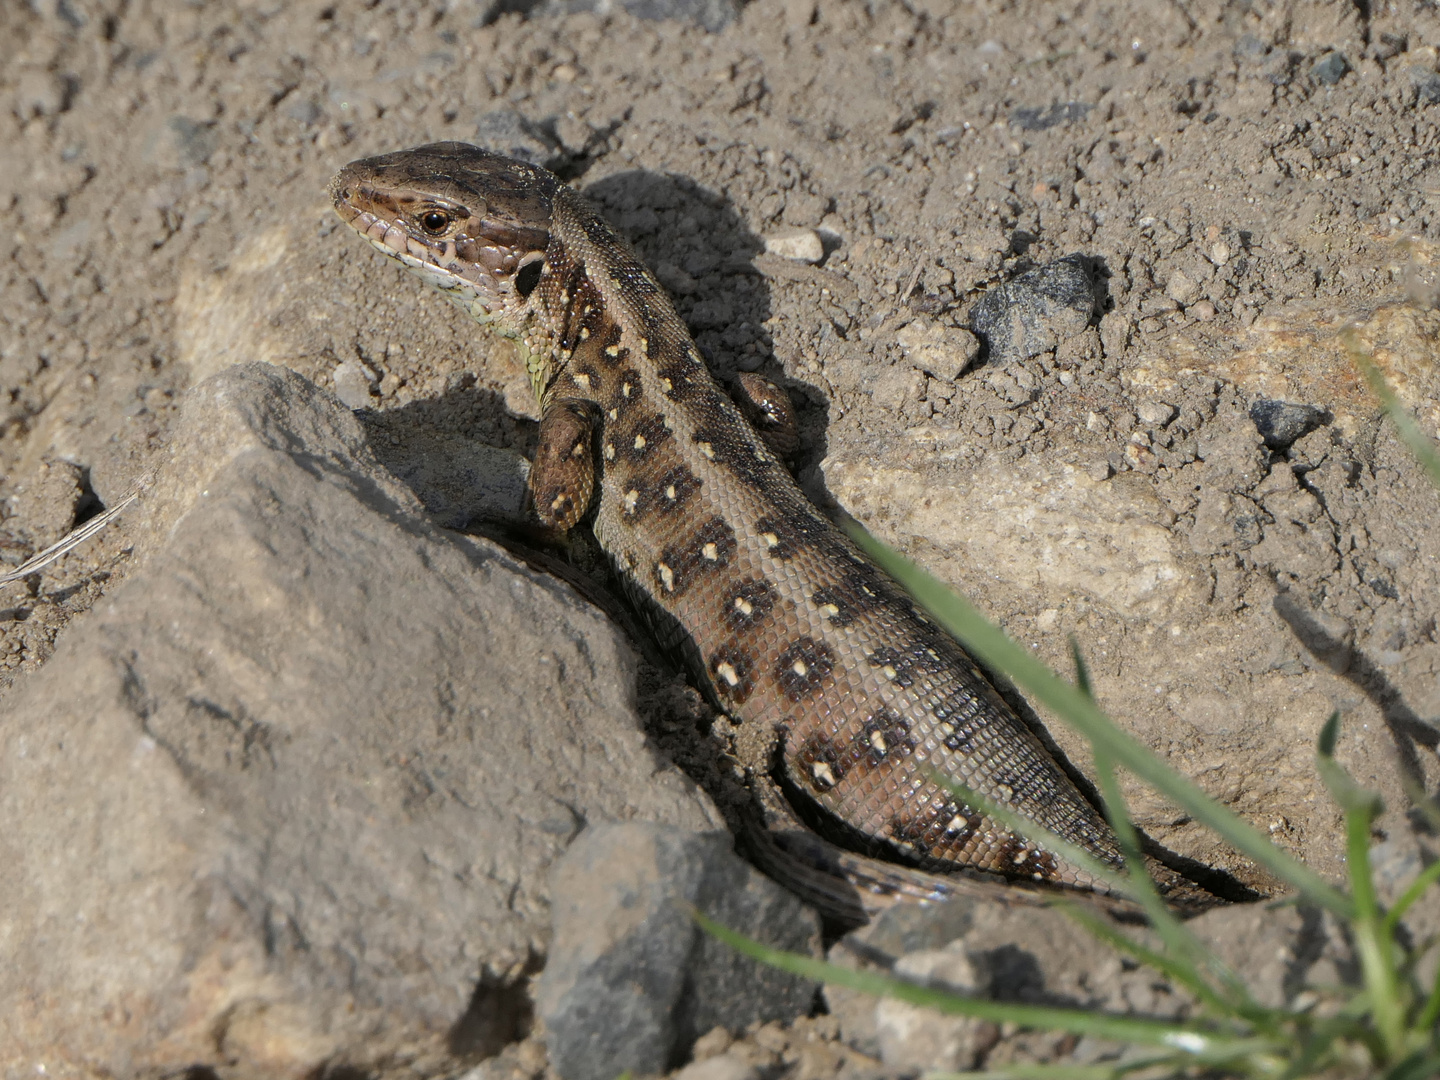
(562, 478)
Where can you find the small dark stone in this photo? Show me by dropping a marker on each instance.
(1390, 45)
(1330, 68)
(1251, 49)
(711, 15)
(1032, 119)
(194, 140)
(1280, 423)
(1427, 85)
(304, 112)
(1037, 310)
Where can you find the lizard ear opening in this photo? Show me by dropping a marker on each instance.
(528, 276)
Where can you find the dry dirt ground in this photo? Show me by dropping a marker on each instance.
(1250, 177)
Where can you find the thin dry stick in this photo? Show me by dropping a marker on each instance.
(72, 539)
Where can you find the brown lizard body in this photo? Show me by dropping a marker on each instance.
(792, 630)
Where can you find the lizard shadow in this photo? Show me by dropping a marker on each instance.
(706, 257)
(1408, 731)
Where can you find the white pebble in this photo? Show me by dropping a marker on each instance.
(799, 245)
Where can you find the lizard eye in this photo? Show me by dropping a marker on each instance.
(434, 221)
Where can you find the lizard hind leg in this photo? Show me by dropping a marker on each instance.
(770, 412)
(562, 478)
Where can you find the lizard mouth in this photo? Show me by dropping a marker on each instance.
(472, 259)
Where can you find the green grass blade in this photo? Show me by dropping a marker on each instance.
(1342, 787)
(1196, 1041)
(1185, 974)
(1430, 1014)
(1082, 669)
(1373, 942)
(1185, 949)
(1413, 892)
(1421, 801)
(1036, 1071)
(1182, 945)
(1374, 947)
(992, 646)
(1418, 1066)
(1420, 444)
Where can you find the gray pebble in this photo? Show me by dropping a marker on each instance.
(1330, 68)
(723, 1067)
(1280, 423)
(942, 351)
(1155, 413)
(798, 245)
(1426, 83)
(1037, 310)
(304, 112)
(1034, 119)
(711, 15)
(352, 384)
(39, 93)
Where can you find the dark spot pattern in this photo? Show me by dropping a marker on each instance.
(644, 438)
(587, 379)
(820, 763)
(675, 486)
(647, 302)
(851, 597)
(1032, 782)
(556, 503)
(579, 294)
(627, 391)
(733, 673)
(634, 503)
(681, 563)
(748, 604)
(956, 738)
(786, 536)
(927, 824)
(803, 666)
(609, 345)
(737, 454)
(587, 318)
(684, 381)
(905, 666)
(885, 735)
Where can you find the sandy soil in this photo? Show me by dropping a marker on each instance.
(1250, 176)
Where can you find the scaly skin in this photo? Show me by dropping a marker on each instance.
(789, 627)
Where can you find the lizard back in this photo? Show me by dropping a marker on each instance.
(786, 623)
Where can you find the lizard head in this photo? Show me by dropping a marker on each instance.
(471, 223)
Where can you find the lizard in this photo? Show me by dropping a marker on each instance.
(790, 630)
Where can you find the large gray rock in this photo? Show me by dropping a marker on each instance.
(632, 981)
(288, 799)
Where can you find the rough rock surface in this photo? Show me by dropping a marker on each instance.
(632, 981)
(289, 798)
